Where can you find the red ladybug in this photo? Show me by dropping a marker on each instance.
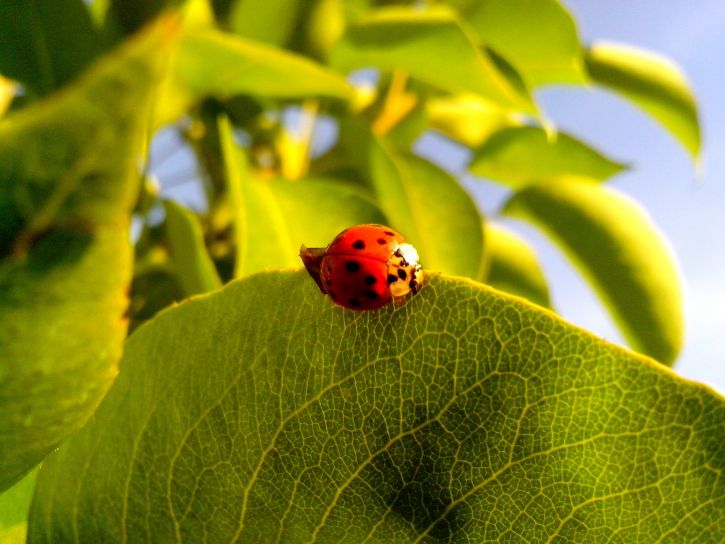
(365, 267)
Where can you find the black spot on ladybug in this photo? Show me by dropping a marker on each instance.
(401, 274)
(358, 244)
(388, 233)
(392, 278)
(354, 302)
(370, 280)
(382, 241)
(352, 266)
(371, 294)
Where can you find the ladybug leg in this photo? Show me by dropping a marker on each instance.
(312, 259)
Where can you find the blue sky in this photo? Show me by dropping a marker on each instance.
(689, 211)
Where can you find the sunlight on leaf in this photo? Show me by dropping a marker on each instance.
(14, 509)
(68, 181)
(429, 205)
(651, 82)
(516, 155)
(467, 119)
(433, 47)
(539, 37)
(7, 92)
(214, 63)
(618, 249)
(273, 217)
(264, 413)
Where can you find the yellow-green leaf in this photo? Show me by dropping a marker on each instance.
(429, 205)
(68, 181)
(271, 21)
(651, 82)
(194, 267)
(215, 63)
(621, 253)
(432, 46)
(517, 155)
(539, 37)
(467, 118)
(273, 217)
(263, 413)
(512, 266)
(8, 89)
(14, 509)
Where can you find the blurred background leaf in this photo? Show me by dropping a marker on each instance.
(517, 155)
(620, 252)
(652, 83)
(68, 182)
(46, 43)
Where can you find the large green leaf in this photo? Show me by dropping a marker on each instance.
(432, 46)
(263, 413)
(620, 251)
(272, 218)
(14, 509)
(512, 266)
(45, 43)
(68, 180)
(539, 37)
(437, 215)
(194, 267)
(651, 82)
(516, 155)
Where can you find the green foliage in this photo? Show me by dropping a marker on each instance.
(67, 186)
(410, 424)
(545, 47)
(433, 205)
(423, 42)
(652, 83)
(194, 267)
(613, 242)
(518, 155)
(40, 51)
(512, 266)
(262, 412)
(14, 510)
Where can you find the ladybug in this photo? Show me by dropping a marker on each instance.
(365, 267)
